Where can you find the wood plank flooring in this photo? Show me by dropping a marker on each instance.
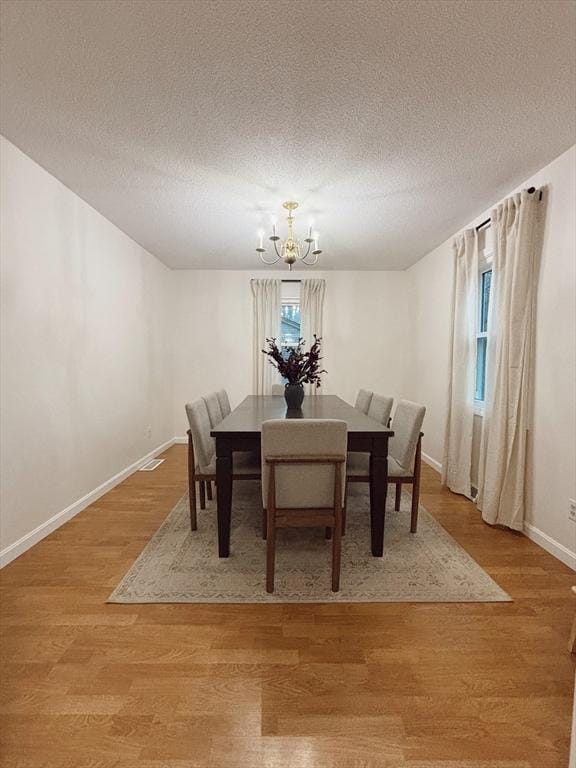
(91, 685)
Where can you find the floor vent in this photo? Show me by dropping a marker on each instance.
(149, 466)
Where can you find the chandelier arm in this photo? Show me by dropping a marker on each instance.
(277, 254)
(311, 263)
(306, 254)
(269, 263)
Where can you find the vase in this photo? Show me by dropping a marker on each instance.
(294, 395)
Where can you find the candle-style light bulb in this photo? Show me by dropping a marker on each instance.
(261, 238)
(316, 237)
(310, 225)
(273, 221)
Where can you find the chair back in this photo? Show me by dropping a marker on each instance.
(303, 485)
(363, 399)
(278, 389)
(199, 421)
(224, 401)
(380, 408)
(214, 410)
(407, 423)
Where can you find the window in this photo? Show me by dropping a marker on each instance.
(482, 333)
(290, 323)
(289, 318)
(484, 283)
(290, 314)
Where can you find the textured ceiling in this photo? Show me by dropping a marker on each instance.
(187, 123)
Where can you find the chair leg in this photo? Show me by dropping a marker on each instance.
(209, 490)
(416, 487)
(264, 523)
(192, 484)
(414, 512)
(572, 640)
(339, 498)
(192, 500)
(337, 551)
(398, 497)
(202, 494)
(270, 551)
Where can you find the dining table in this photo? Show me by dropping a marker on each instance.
(241, 430)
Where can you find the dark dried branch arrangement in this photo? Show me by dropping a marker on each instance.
(295, 365)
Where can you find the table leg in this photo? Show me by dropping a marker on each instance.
(223, 495)
(378, 493)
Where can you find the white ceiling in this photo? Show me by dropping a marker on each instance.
(188, 122)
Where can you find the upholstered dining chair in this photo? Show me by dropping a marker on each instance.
(224, 401)
(214, 410)
(380, 408)
(363, 399)
(278, 389)
(303, 480)
(404, 456)
(405, 464)
(202, 458)
(215, 415)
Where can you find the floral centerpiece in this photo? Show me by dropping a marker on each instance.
(297, 367)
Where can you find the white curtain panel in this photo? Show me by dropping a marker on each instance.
(457, 460)
(502, 467)
(312, 316)
(266, 324)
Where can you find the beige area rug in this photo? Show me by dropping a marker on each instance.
(178, 566)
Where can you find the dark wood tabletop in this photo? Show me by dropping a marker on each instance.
(246, 420)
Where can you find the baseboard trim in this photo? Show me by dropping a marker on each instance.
(559, 551)
(10, 553)
(180, 440)
(432, 462)
(552, 546)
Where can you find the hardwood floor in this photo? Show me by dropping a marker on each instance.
(91, 685)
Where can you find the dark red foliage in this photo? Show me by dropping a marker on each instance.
(295, 365)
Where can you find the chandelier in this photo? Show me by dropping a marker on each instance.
(290, 250)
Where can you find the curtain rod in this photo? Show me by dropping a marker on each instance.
(530, 191)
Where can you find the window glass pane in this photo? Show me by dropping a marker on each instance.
(290, 324)
(485, 299)
(480, 369)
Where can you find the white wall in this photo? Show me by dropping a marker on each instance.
(366, 333)
(85, 381)
(552, 464)
(431, 290)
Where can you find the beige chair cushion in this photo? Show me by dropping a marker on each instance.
(359, 466)
(200, 428)
(213, 407)
(224, 401)
(380, 408)
(363, 400)
(407, 424)
(303, 486)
